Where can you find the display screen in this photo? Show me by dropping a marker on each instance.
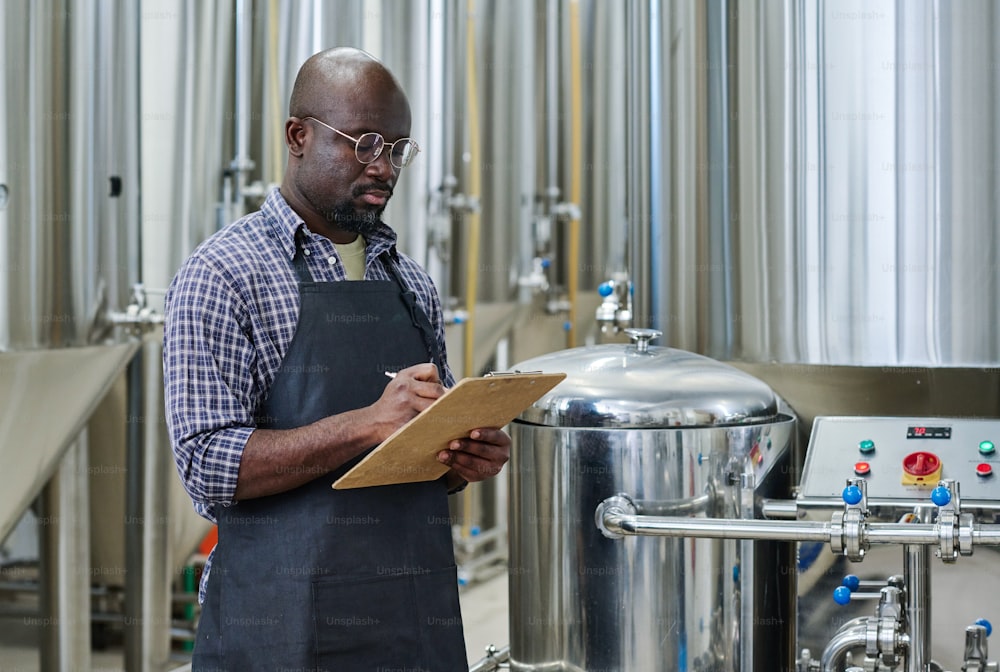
(928, 432)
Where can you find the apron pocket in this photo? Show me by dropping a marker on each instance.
(410, 622)
(366, 624)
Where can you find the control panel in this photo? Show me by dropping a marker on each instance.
(902, 458)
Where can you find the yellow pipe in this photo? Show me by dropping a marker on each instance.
(472, 269)
(576, 168)
(278, 143)
(474, 188)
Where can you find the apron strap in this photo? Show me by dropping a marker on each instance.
(417, 316)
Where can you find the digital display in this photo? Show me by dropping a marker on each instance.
(920, 432)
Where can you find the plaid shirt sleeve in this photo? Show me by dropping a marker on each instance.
(207, 361)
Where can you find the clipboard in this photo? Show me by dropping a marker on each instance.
(410, 454)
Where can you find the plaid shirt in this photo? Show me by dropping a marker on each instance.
(231, 312)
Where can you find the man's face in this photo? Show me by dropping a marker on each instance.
(351, 195)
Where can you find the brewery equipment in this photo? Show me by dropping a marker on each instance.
(902, 463)
(685, 435)
(904, 488)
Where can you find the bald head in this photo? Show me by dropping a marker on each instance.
(338, 72)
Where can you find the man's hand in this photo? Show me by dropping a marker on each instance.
(410, 391)
(478, 457)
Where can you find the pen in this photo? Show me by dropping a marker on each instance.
(391, 374)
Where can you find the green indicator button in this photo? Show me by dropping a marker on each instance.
(867, 446)
(987, 447)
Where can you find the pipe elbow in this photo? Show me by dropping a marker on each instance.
(846, 639)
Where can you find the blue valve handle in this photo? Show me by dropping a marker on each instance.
(986, 624)
(941, 495)
(842, 595)
(852, 583)
(852, 494)
(605, 289)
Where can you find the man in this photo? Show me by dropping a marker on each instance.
(275, 363)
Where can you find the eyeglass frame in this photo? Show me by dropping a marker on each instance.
(385, 143)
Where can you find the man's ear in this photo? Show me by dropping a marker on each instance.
(295, 136)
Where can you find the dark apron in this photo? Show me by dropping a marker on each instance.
(316, 579)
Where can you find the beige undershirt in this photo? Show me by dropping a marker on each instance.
(352, 255)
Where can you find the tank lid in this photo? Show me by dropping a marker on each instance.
(644, 386)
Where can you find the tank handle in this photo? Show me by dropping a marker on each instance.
(642, 337)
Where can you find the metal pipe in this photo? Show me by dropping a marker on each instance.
(845, 640)
(474, 190)
(616, 516)
(242, 164)
(552, 103)
(134, 463)
(901, 533)
(493, 660)
(158, 469)
(5, 278)
(780, 509)
(576, 169)
(676, 507)
(715, 528)
(65, 580)
(988, 536)
(917, 577)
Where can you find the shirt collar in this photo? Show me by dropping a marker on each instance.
(286, 224)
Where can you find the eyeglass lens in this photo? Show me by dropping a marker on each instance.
(370, 146)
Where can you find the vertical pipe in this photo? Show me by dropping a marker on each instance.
(65, 559)
(131, 165)
(719, 325)
(475, 188)
(917, 577)
(274, 97)
(552, 101)
(134, 470)
(241, 164)
(637, 165)
(5, 259)
(158, 469)
(527, 150)
(659, 186)
(87, 85)
(438, 134)
(576, 168)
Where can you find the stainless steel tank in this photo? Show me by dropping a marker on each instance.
(682, 435)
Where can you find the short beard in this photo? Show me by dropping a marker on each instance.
(348, 218)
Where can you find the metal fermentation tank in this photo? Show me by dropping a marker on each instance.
(695, 437)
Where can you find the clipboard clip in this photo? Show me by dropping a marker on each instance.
(497, 374)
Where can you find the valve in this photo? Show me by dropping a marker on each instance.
(976, 658)
(852, 495)
(941, 495)
(847, 527)
(842, 595)
(615, 312)
(954, 527)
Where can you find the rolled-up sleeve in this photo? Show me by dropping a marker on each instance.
(208, 359)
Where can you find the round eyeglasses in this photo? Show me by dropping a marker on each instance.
(369, 147)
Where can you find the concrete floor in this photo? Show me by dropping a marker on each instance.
(484, 612)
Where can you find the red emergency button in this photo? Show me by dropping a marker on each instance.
(862, 468)
(983, 469)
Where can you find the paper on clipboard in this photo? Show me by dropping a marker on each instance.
(410, 454)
